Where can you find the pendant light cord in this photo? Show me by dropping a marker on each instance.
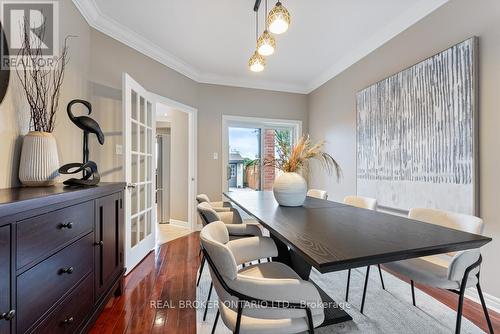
(266, 16)
(257, 25)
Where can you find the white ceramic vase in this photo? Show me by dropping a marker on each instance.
(39, 160)
(290, 189)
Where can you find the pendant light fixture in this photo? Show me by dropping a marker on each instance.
(278, 20)
(266, 44)
(257, 62)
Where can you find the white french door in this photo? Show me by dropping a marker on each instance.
(139, 119)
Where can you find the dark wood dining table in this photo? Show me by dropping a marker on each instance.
(331, 236)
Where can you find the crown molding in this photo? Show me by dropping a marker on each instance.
(99, 21)
(108, 26)
(411, 16)
(254, 84)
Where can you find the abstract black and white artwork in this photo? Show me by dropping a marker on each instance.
(416, 134)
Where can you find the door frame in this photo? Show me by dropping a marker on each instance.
(251, 122)
(192, 154)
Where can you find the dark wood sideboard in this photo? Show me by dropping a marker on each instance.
(61, 256)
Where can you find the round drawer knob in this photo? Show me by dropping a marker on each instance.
(68, 270)
(8, 315)
(68, 320)
(68, 225)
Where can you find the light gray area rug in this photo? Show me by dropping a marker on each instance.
(389, 311)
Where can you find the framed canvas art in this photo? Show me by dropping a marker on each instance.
(417, 138)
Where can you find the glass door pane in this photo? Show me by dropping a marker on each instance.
(244, 163)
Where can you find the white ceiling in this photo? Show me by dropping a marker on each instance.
(211, 41)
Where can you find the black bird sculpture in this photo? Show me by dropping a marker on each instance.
(91, 175)
(87, 124)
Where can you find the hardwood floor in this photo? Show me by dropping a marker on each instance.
(472, 311)
(169, 275)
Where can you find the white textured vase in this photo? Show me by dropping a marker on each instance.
(290, 189)
(39, 160)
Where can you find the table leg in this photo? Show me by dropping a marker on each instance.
(283, 252)
(334, 314)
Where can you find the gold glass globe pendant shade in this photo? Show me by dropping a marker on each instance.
(256, 62)
(278, 19)
(266, 44)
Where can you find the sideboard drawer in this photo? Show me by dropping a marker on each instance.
(73, 310)
(39, 235)
(40, 287)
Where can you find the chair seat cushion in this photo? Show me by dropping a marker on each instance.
(237, 231)
(273, 270)
(429, 270)
(288, 286)
(251, 325)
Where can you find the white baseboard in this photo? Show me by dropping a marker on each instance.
(492, 302)
(179, 223)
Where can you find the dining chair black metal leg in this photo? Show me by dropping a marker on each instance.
(381, 278)
(310, 324)
(460, 309)
(215, 321)
(348, 282)
(201, 270)
(364, 289)
(208, 300)
(238, 317)
(483, 303)
(413, 293)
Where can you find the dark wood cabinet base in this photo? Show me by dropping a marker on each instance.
(63, 256)
(116, 290)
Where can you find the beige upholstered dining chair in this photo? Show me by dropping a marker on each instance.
(361, 202)
(217, 206)
(262, 298)
(452, 271)
(369, 204)
(236, 229)
(231, 218)
(317, 193)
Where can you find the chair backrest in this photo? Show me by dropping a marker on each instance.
(202, 198)
(317, 193)
(361, 202)
(207, 213)
(449, 219)
(214, 238)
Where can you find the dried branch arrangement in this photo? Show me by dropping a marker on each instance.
(40, 81)
(296, 159)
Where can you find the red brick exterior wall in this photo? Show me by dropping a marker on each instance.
(269, 172)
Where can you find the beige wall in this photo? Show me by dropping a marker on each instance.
(14, 117)
(216, 101)
(109, 59)
(95, 73)
(332, 106)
